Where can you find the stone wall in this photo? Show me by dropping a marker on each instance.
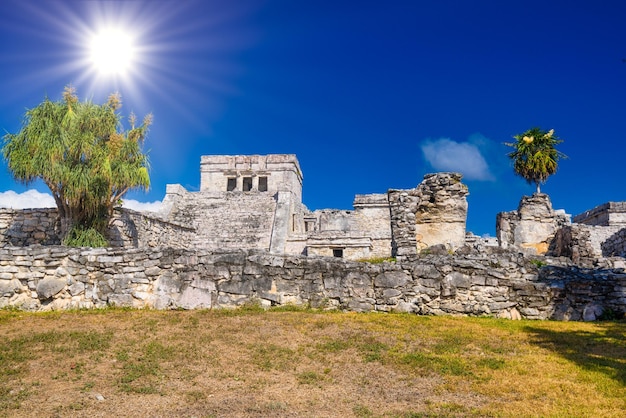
(29, 227)
(615, 245)
(372, 215)
(498, 283)
(129, 228)
(442, 210)
(281, 172)
(606, 214)
(585, 244)
(532, 227)
(132, 229)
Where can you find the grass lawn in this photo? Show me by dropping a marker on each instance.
(293, 363)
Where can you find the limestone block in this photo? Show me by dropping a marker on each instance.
(168, 285)
(77, 288)
(361, 305)
(404, 307)
(458, 280)
(392, 279)
(153, 271)
(49, 287)
(331, 282)
(391, 293)
(243, 287)
(426, 271)
(161, 302)
(25, 301)
(592, 312)
(120, 300)
(9, 287)
(358, 279)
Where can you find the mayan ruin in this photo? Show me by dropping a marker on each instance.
(246, 235)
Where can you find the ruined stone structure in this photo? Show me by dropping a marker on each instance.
(607, 214)
(596, 233)
(532, 226)
(434, 213)
(255, 202)
(246, 236)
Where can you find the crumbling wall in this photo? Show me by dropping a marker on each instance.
(373, 219)
(433, 213)
(615, 244)
(364, 232)
(504, 284)
(532, 227)
(129, 228)
(29, 227)
(132, 229)
(585, 244)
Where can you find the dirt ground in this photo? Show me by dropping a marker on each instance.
(211, 364)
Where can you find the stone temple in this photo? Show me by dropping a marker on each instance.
(246, 237)
(255, 202)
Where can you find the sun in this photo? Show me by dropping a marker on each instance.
(112, 52)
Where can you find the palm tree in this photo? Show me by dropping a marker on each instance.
(535, 156)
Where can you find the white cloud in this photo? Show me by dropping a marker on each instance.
(142, 206)
(32, 199)
(463, 157)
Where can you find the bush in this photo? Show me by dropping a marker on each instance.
(80, 237)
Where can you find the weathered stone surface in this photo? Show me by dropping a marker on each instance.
(240, 287)
(392, 279)
(10, 286)
(76, 288)
(433, 213)
(433, 285)
(195, 298)
(532, 227)
(49, 287)
(121, 300)
(458, 280)
(426, 271)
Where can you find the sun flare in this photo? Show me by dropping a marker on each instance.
(112, 52)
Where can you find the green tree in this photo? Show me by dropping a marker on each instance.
(535, 155)
(81, 151)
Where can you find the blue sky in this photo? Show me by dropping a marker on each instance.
(369, 95)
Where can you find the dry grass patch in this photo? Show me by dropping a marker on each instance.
(250, 363)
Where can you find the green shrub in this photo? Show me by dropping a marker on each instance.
(80, 237)
(539, 263)
(377, 260)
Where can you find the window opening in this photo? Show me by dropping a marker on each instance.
(262, 184)
(247, 184)
(338, 252)
(232, 184)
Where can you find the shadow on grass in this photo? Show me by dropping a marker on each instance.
(602, 351)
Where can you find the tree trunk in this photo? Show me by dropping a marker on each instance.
(538, 188)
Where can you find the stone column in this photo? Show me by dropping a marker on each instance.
(442, 212)
(433, 213)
